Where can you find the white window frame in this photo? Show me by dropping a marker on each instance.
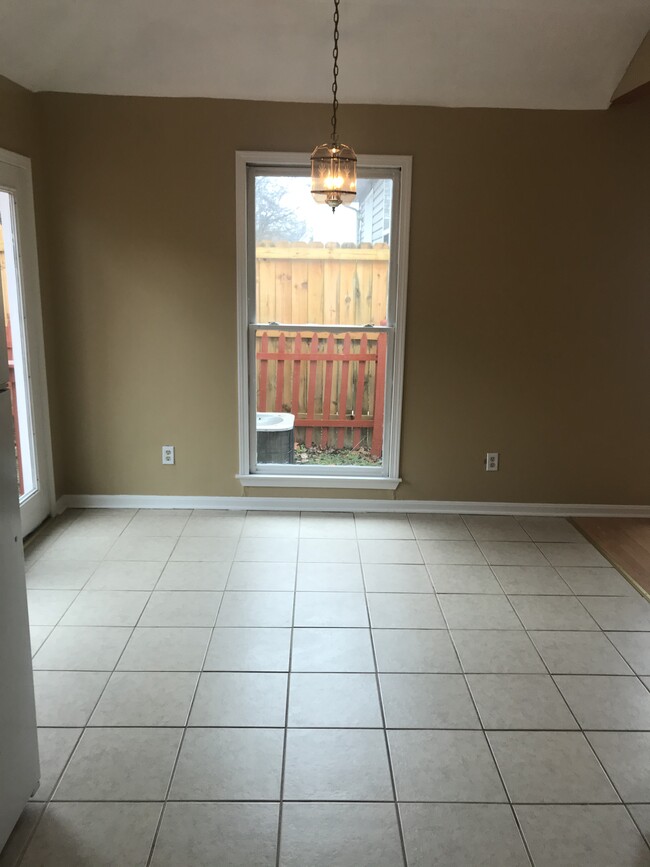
(305, 476)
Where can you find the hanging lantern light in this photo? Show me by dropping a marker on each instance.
(334, 165)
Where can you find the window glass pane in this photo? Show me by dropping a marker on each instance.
(320, 397)
(318, 267)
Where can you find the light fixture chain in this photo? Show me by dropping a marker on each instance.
(335, 55)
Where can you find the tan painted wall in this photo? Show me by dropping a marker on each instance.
(638, 72)
(17, 118)
(528, 313)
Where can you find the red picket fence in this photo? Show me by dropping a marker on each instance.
(337, 386)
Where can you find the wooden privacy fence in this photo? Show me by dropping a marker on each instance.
(333, 383)
(322, 284)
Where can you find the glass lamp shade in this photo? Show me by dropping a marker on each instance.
(333, 174)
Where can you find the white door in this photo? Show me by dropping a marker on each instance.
(22, 326)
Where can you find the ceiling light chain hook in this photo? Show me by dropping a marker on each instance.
(335, 55)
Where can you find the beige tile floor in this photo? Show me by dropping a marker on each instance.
(325, 690)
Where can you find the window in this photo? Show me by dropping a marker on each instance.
(321, 324)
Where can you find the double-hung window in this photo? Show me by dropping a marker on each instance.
(321, 308)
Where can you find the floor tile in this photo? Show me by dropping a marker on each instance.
(60, 574)
(220, 764)
(120, 764)
(451, 553)
(582, 836)
(474, 611)
(634, 647)
(267, 550)
(495, 528)
(191, 608)
(460, 835)
(498, 651)
(444, 766)
(272, 524)
(37, 635)
(198, 576)
(415, 651)
(552, 612)
(572, 554)
(330, 609)
(336, 765)
(541, 580)
(596, 581)
(383, 527)
(546, 529)
(262, 576)
(125, 575)
(106, 608)
(46, 607)
(390, 551)
(326, 649)
(396, 578)
(450, 528)
(550, 768)
(248, 608)
(519, 701)
(513, 554)
(464, 579)
(83, 648)
(204, 548)
(158, 522)
(328, 551)
(341, 577)
(604, 702)
(208, 523)
(55, 747)
(78, 548)
(100, 522)
(67, 698)
(165, 649)
(579, 653)
(427, 701)
(145, 698)
(154, 548)
(240, 698)
(102, 835)
(625, 613)
(202, 835)
(626, 758)
(405, 611)
(327, 525)
(13, 849)
(340, 835)
(249, 649)
(334, 700)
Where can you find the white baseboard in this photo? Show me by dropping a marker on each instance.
(313, 504)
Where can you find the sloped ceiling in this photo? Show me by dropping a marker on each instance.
(564, 54)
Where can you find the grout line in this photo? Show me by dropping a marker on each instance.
(489, 745)
(183, 733)
(286, 708)
(380, 699)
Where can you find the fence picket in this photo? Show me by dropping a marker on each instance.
(343, 394)
(311, 392)
(263, 376)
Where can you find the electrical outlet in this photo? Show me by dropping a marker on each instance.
(168, 455)
(492, 462)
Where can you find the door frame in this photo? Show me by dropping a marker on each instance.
(34, 509)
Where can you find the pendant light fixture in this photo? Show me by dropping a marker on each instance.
(334, 165)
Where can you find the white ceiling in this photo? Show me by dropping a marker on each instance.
(565, 54)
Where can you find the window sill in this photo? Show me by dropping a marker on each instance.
(258, 480)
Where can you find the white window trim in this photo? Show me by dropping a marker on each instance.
(326, 477)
